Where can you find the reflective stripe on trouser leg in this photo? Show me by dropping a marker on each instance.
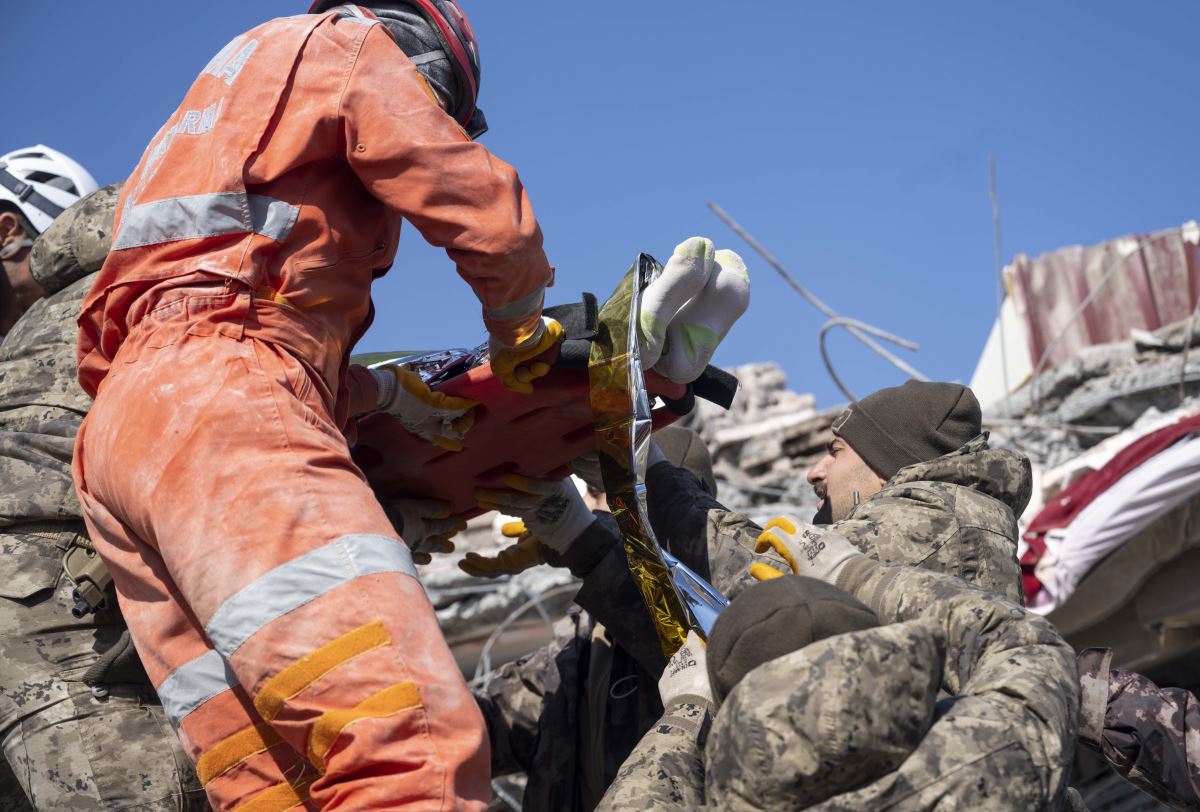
(275, 544)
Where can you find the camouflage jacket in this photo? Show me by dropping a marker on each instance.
(41, 407)
(1149, 735)
(41, 404)
(1002, 740)
(955, 514)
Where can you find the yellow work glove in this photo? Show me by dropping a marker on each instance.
(425, 525)
(809, 550)
(525, 554)
(515, 367)
(441, 419)
(552, 509)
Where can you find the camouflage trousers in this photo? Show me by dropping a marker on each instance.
(69, 749)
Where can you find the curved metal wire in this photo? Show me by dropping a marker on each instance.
(853, 324)
(856, 328)
(483, 670)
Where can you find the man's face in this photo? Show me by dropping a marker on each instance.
(18, 289)
(836, 478)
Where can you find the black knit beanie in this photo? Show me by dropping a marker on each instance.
(774, 618)
(903, 425)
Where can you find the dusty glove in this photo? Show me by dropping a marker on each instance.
(809, 550)
(587, 467)
(699, 327)
(525, 554)
(515, 366)
(441, 419)
(425, 525)
(685, 679)
(553, 510)
(682, 278)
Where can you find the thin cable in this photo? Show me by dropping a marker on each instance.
(1000, 291)
(852, 324)
(855, 330)
(1066, 428)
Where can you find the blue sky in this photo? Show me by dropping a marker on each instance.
(850, 138)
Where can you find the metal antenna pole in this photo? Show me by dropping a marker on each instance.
(1000, 291)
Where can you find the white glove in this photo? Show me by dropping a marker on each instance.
(700, 326)
(683, 277)
(809, 550)
(690, 307)
(552, 510)
(685, 679)
(425, 525)
(441, 419)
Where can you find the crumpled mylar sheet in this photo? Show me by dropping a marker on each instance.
(621, 409)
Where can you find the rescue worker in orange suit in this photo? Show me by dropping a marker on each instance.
(272, 602)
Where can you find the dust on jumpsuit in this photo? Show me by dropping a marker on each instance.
(275, 610)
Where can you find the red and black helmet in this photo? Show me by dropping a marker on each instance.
(462, 51)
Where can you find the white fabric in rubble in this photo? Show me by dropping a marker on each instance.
(1130, 505)
(1049, 482)
(1099, 455)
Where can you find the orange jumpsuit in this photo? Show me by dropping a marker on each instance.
(271, 601)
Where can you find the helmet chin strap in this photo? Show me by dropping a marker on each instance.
(13, 247)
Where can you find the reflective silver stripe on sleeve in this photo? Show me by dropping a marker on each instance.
(301, 580)
(194, 216)
(521, 307)
(194, 683)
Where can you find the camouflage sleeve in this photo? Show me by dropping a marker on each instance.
(666, 769)
(904, 527)
(1008, 731)
(1149, 735)
(530, 705)
(940, 527)
(77, 242)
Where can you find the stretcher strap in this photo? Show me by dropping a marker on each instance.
(304, 672)
(325, 733)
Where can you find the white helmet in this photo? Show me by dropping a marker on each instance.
(42, 183)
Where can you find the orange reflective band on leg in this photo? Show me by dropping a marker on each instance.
(278, 798)
(230, 752)
(304, 672)
(331, 724)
